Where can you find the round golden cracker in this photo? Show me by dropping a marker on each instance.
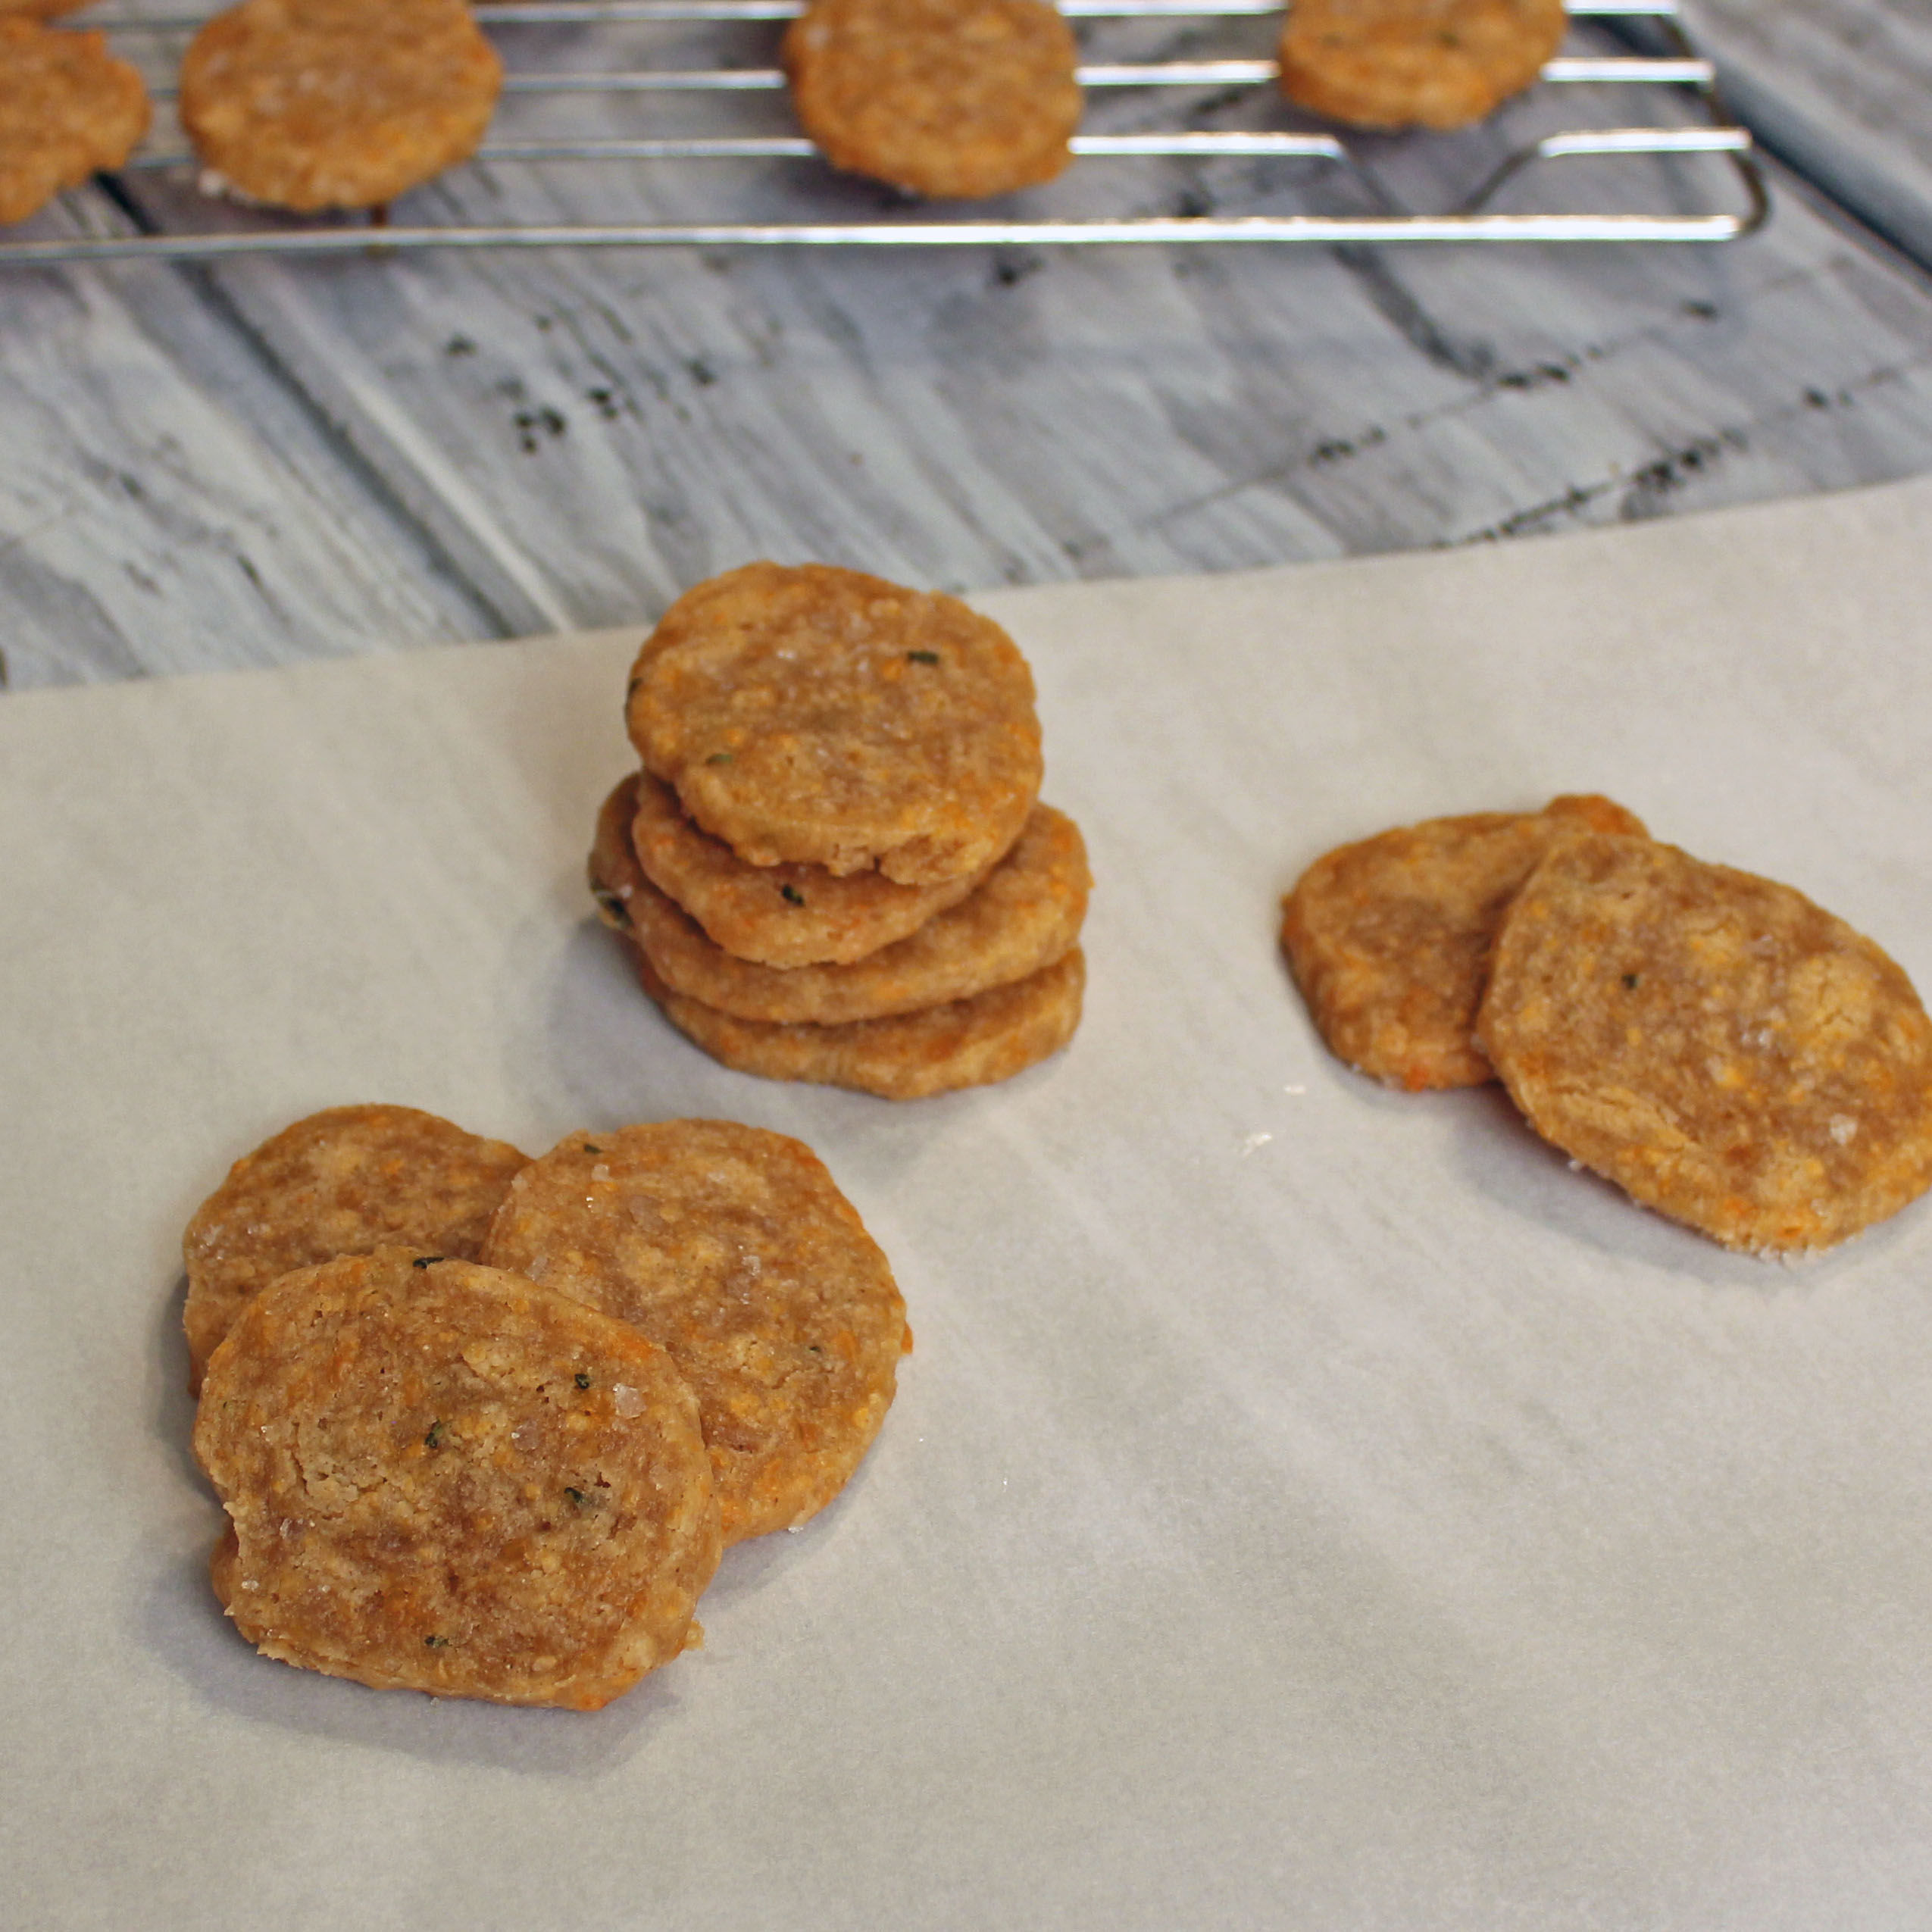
(944, 98)
(1721, 1048)
(66, 107)
(1390, 938)
(443, 1477)
(342, 1182)
(38, 10)
(817, 715)
(1026, 915)
(966, 1042)
(733, 1248)
(776, 915)
(1415, 63)
(322, 104)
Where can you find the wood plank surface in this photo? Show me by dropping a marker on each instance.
(166, 504)
(1842, 90)
(577, 436)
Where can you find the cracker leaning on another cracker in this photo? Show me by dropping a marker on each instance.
(733, 1250)
(443, 1477)
(341, 1182)
(1726, 1051)
(511, 1480)
(1723, 1050)
(1390, 938)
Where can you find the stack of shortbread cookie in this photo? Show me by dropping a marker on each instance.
(834, 865)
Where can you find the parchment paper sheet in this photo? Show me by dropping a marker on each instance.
(1307, 1506)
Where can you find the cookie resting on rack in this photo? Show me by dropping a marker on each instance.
(777, 915)
(37, 10)
(309, 104)
(1439, 63)
(733, 1250)
(441, 1478)
(816, 715)
(1026, 914)
(948, 98)
(1390, 938)
(965, 1043)
(1723, 1050)
(343, 1182)
(68, 107)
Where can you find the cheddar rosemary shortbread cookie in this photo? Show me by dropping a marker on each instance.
(443, 1477)
(37, 10)
(1415, 63)
(319, 104)
(1390, 938)
(966, 1042)
(1714, 1043)
(778, 915)
(942, 97)
(66, 107)
(817, 715)
(733, 1250)
(1026, 915)
(339, 1183)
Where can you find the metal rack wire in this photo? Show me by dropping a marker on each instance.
(1475, 220)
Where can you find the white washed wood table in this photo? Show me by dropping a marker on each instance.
(269, 460)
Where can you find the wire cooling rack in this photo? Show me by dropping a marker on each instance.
(1659, 86)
